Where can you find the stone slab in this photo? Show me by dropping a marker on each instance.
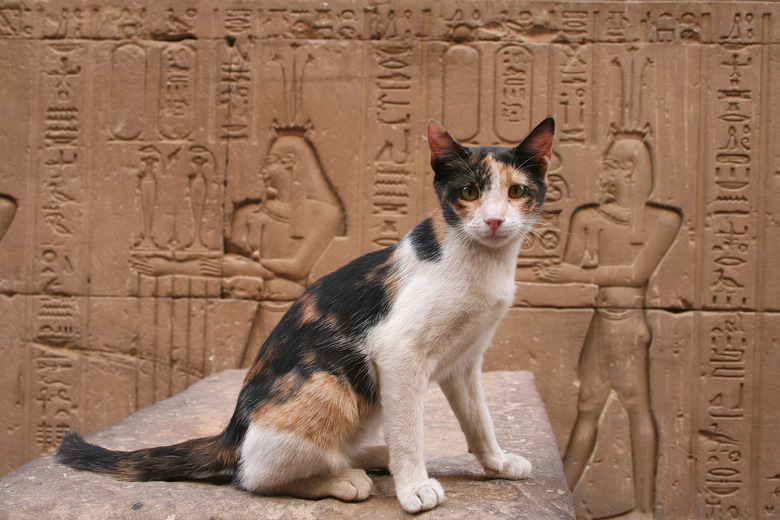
(45, 489)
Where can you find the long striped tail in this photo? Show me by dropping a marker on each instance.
(197, 458)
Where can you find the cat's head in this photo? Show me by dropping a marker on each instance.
(491, 194)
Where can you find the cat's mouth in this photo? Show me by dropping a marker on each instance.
(495, 238)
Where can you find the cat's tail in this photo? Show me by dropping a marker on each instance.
(197, 458)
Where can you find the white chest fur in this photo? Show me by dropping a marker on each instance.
(447, 308)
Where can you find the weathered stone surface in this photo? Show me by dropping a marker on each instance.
(136, 141)
(46, 489)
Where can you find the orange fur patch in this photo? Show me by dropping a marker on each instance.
(439, 226)
(254, 369)
(309, 313)
(507, 176)
(389, 278)
(323, 412)
(127, 470)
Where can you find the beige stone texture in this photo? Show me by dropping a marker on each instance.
(173, 174)
(44, 489)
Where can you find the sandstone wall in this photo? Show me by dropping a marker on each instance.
(173, 174)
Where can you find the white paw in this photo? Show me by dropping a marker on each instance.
(352, 486)
(515, 467)
(421, 497)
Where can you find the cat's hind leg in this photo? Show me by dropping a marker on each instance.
(281, 463)
(369, 451)
(370, 457)
(350, 485)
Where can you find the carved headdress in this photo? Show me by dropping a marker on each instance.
(309, 181)
(629, 141)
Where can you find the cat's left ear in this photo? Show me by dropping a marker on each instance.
(535, 152)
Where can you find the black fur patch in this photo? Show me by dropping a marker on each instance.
(350, 301)
(425, 243)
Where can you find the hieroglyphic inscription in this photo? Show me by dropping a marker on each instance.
(666, 27)
(726, 417)
(57, 321)
(95, 22)
(15, 21)
(54, 390)
(572, 91)
(393, 161)
(575, 25)
(234, 95)
(176, 110)
(731, 251)
(514, 73)
(546, 242)
(615, 24)
(60, 184)
(300, 23)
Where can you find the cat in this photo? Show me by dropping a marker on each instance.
(355, 353)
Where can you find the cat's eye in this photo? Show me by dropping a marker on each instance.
(516, 191)
(469, 192)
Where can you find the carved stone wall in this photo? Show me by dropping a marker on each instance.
(173, 174)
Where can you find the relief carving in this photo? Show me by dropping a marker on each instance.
(167, 190)
(275, 241)
(616, 243)
(8, 208)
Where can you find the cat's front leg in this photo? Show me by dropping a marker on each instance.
(402, 405)
(463, 389)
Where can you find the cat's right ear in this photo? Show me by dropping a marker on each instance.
(441, 144)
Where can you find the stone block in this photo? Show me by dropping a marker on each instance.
(43, 488)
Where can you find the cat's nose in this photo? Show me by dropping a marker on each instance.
(493, 223)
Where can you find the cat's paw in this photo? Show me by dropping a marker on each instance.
(353, 485)
(514, 467)
(422, 496)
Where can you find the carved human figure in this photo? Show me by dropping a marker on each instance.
(7, 212)
(274, 240)
(617, 244)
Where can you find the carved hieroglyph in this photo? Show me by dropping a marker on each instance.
(174, 174)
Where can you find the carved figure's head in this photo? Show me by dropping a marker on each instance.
(626, 176)
(293, 174)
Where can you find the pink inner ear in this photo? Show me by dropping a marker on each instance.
(541, 145)
(439, 141)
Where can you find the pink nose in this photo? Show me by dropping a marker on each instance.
(493, 223)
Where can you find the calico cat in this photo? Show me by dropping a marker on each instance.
(356, 352)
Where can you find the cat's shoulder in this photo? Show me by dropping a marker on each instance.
(426, 239)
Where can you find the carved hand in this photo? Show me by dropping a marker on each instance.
(150, 265)
(210, 267)
(280, 266)
(547, 271)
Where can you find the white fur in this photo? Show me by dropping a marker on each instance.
(269, 459)
(442, 320)
(496, 205)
